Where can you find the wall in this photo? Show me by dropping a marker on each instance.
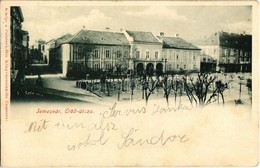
(143, 48)
(65, 52)
(182, 59)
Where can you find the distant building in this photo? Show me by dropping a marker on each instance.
(233, 52)
(146, 52)
(180, 54)
(38, 51)
(91, 51)
(53, 52)
(207, 63)
(19, 40)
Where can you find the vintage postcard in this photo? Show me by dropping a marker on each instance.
(120, 83)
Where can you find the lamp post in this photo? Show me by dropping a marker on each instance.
(240, 84)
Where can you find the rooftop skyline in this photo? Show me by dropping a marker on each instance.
(190, 22)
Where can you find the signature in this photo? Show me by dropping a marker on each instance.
(129, 139)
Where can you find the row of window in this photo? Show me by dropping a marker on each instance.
(204, 59)
(80, 52)
(171, 67)
(234, 52)
(232, 60)
(147, 54)
(183, 53)
(108, 54)
(97, 66)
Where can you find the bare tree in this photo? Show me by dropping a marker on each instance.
(149, 85)
(198, 89)
(167, 86)
(177, 86)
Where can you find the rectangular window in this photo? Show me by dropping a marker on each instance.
(138, 54)
(177, 57)
(96, 54)
(184, 67)
(107, 54)
(169, 67)
(177, 67)
(118, 53)
(126, 53)
(96, 67)
(108, 66)
(241, 53)
(156, 55)
(147, 54)
(232, 52)
(226, 52)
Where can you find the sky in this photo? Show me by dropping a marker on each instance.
(190, 22)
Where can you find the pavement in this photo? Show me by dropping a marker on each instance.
(55, 84)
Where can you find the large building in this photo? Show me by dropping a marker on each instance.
(179, 54)
(146, 52)
(19, 41)
(233, 52)
(91, 51)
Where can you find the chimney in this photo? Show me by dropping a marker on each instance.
(161, 33)
(107, 28)
(177, 35)
(121, 30)
(84, 27)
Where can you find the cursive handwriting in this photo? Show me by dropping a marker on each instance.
(129, 140)
(99, 125)
(90, 141)
(114, 111)
(159, 109)
(37, 126)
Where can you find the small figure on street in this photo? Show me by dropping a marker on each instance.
(39, 81)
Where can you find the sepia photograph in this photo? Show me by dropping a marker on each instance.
(129, 83)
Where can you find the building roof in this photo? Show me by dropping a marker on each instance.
(229, 40)
(99, 37)
(212, 59)
(176, 42)
(62, 39)
(146, 37)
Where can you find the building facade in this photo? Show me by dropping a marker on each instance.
(207, 63)
(19, 41)
(90, 52)
(233, 52)
(179, 55)
(146, 52)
